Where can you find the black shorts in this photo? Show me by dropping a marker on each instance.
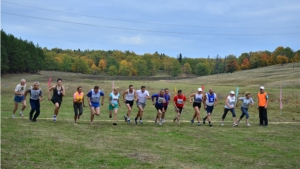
(129, 102)
(166, 107)
(159, 108)
(55, 101)
(197, 105)
(180, 109)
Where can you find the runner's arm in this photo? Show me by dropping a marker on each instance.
(74, 98)
(216, 101)
(50, 89)
(64, 90)
(25, 94)
(126, 92)
(191, 96)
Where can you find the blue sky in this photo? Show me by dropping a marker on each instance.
(201, 27)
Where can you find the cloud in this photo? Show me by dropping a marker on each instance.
(134, 40)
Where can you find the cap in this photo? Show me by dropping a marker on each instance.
(231, 92)
(261, 87)
(199, 89)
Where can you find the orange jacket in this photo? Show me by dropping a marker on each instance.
(262, 99)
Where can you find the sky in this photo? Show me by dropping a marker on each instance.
(194, 28)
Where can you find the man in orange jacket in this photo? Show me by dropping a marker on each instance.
(263, 100)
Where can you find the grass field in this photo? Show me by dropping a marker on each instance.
(63, 144)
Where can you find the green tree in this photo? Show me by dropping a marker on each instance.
(80, 66)
(141, 67)
(67, 63)
(176, 68)
(201, 69)
(4, 61)
(111, 61)
(112, 70)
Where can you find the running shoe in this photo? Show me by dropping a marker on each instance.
(109, 116)
(160, 123)
(114, 124)
(178, 122)
(222, 123)
(34, 121)
(141, 122)
(155, 121)
(192, 122)
(135, 120)
(21, 114)
(199, 124)
(210, 125)
(128, 121)
(248, 124)
(92, 123)
(234, 125)
(203, 120)
(163, 121)
(125, 117)
(13, 116)
(54, 118)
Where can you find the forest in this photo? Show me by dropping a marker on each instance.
(19, 56)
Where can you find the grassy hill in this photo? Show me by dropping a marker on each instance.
(63, 144)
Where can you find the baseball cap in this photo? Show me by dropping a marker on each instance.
(261, 87)
(231, 92)
(199, 89)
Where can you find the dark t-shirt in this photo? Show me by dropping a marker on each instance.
(57, 95)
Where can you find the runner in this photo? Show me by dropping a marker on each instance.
(229, 106)
(130, 96)
(142, 95)
(167, 98)
(58, 93)
(263, 101)
(198, 97)
(19, 97)
(246, 101)
(114, 104)
(36, 96)
(78, 102)
(94, 101)
(210, 100)
(179, 103)
(159, 104)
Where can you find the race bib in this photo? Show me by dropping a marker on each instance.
(95, 99)
(179, 101)
(58, 92)
(161, 100)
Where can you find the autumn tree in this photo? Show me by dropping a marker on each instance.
(125, 69)
(95, 69)
(245, 64)
(282, 59)
(102, 64)
(232, 66)
(187, 68)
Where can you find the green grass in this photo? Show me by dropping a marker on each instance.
(64, 145)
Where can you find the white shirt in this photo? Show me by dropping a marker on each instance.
(142, 96)
(20, 88)
(130, 96)
(231, 102)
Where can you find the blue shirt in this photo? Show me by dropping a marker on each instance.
(160, 99)
(168, 98)
(95, 97)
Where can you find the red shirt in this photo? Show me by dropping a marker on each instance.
(178, 100)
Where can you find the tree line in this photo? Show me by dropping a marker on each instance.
(19, 55)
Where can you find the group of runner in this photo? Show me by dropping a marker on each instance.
(160, 100)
